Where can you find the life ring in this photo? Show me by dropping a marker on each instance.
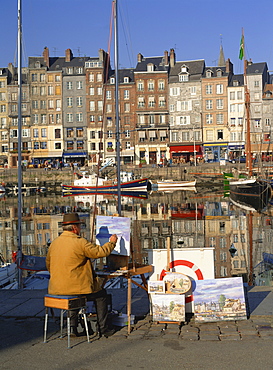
(189, 264)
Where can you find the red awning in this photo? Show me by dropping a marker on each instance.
(189, 214)
(185, 148)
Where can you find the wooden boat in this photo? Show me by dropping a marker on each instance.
(252, 193)
(135, 185)
(173, 185)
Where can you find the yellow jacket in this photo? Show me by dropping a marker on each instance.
(68, 262)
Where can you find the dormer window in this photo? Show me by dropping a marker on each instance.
(236, 83)
(112, 80)
(150, 67)
(69, 71)
(268, 94)
(219, 73)
(37, 64)
(183, 77)
(184, 69)
(208, 74)
(126, 80)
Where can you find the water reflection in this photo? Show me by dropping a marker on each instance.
(191, 219)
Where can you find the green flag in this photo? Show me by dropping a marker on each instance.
(242, 46)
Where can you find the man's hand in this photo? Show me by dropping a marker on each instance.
(113, 238)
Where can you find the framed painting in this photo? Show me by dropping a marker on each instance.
(168, 307)
(108, 225)
(156, 286)
(219, 300)
(177, 282)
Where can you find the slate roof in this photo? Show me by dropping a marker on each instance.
(239, 78)
(195, 70)
(158, 63)
(256, 68)
(125, 72)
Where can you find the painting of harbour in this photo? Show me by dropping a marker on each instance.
(168, 307)
(219, 300)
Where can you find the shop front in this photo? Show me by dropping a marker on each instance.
(75, 157)
(215, 152)
(182, 153)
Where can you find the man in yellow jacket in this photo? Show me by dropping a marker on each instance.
(71, 272)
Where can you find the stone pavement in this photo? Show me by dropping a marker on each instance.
(226, 345)
(26, 304)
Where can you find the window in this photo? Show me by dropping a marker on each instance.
(208, 104)
(257, 123)
(162, 102)
(209, 119)
(92, 134)
(57, 133)
(219, 118)
(108, 94)
(183, 77)
(185, 136)
(34, 77)
(69, 102)
(161, 85)
(267, 121)
(219, 89)
(99, 77)
(50, 90)
(91, 91)
(209, 135)
(151, 85)
(127, 145)
(91, 77)
(79, 101)
(69, 85)
(151, 102)
(69, 117)
(240, 121)
(35, 104)
(92, 106)
(140, 86)
(79, 117)
(219, 103)
(109, 108)
(70, 145)
(193, 90)
(99, 91)
(51, 104)
(36, 145)
(174, 91)
(208, 89)
(256, 83)
(92, 118)
(43, 104)
(126, 94)
(112, 80)
(127, 107)
(79, 132)
(100, 105)
(232, 95)
(79, 85)
(232, 121)
(43, 118)
(43, 145)
(43, 132)
(256, 96)
(174, 135)
(220, 135)
(57, 78)
(239, 95)
(79, 145)
(127, 133)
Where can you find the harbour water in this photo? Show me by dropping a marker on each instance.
(189, 219)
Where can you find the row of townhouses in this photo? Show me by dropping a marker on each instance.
(168, 110)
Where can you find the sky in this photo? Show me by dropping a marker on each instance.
(195, 29)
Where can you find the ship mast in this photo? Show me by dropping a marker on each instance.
(19, 164)
(247, 109)
(117, 103)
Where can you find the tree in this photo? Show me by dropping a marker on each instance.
(222, 300)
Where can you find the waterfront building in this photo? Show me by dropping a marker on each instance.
(151, 81)
(236, 116)
(215, 111)
(185, 103)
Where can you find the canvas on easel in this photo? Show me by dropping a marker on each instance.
(156, 286)
(105, 227)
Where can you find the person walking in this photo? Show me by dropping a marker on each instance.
(71, 271)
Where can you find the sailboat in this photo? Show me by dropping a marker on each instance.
(253, 192)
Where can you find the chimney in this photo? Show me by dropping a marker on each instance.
(11, 69)
(101, 55)
(46, 56)
(139, 57)
(229, 66)
(166, 58)
(172, 58)
(68, 55)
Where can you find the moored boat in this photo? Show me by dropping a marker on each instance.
(173, 185)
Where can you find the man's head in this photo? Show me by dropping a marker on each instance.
(71, 222)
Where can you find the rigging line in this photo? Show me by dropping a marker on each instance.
(103, 117)
(126, 32)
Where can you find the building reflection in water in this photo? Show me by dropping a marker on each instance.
(189, 219)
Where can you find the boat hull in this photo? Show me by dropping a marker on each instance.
(141, 185)
(173, 185)
(251, 192)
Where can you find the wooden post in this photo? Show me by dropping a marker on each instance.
(129, 303)
(168, 252)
